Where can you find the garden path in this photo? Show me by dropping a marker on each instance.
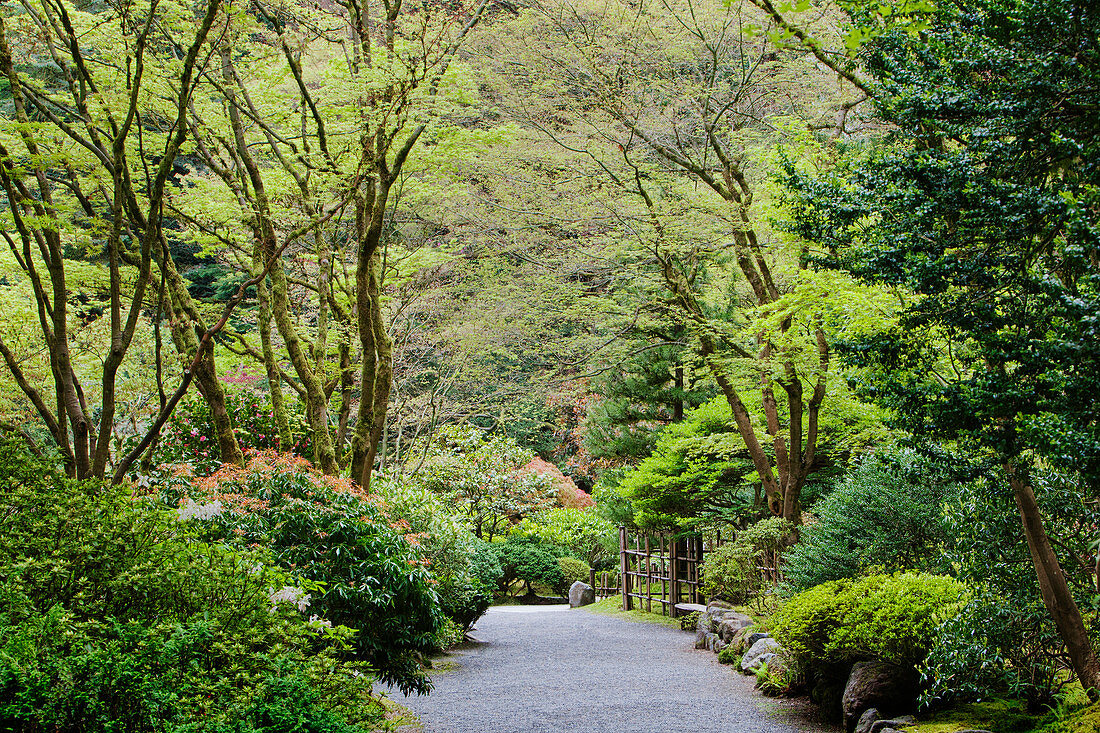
(542, 669)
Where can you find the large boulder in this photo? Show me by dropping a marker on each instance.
(581, 594)
(730, 623)
(754, 657)
(888, 687)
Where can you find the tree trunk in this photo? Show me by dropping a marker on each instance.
(1054, 588)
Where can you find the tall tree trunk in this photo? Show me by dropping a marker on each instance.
(1055, 590)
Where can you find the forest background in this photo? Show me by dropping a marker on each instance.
(716, 261)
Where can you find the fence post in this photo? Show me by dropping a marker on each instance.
(673, 575)
(623, 568)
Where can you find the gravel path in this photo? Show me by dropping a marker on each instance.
(548, 668)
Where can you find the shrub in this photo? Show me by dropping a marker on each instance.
(329, 532)
(733, 570)
(527, 559)
(729, 655)
(189, 433)
(886, 514)
(113, 618)
(886, 617)
(992, 647)
(464, 567)
(572, 570)
(690, 621)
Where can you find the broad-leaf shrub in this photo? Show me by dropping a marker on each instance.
(1004, 641)
(886, 514)
(112, 618)
(527, 559)
(465, 568)
(572, 570)
(328, 531)
(892, 618)
(733, 571)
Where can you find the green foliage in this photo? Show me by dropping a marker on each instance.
(646, 391)
(572, 570)
(1004, 642)
(481, 474)
(585, 533)
(698, 470)
(527, 559)
(113, 618)
(732, 571)
(887, 513)
(189, 437)
(980, 209)
(690, 621)
(465, 568)
(776, 680)
(729, 655)
(885, 617)
(368, 573)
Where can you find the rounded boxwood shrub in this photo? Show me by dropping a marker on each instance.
(892, 618)
(572, 570)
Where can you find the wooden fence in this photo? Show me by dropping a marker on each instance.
(660, 570)
(607, 585)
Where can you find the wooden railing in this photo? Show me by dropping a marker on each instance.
(660, 569)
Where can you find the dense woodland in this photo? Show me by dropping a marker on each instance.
(325, 324)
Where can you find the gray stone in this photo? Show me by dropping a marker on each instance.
(719, 645)
(700, 639)
(888, 687)
(719, 606)
(882, 726)
(683, 609)
(581, 594)
(730, 624)
(866, 720)
(756, 636)
(709, 641)
(751, 661)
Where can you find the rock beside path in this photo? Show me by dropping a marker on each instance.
(581, 594)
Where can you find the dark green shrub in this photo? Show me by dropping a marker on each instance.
(572, 570)
(729, 655)
(892, 618)
(1004, 642)
(329, 532)
(527, 559)
(886, 514)
(113, 618)
(732, 572)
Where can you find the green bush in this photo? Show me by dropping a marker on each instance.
(732, 572)
(891, 618)
(527, 559)
(465, 568)
(689, 621)
(113, 618)
(330, 533)
(572, 570)
(886, 514)
(729, 655)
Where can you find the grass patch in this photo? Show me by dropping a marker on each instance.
(613, 606)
